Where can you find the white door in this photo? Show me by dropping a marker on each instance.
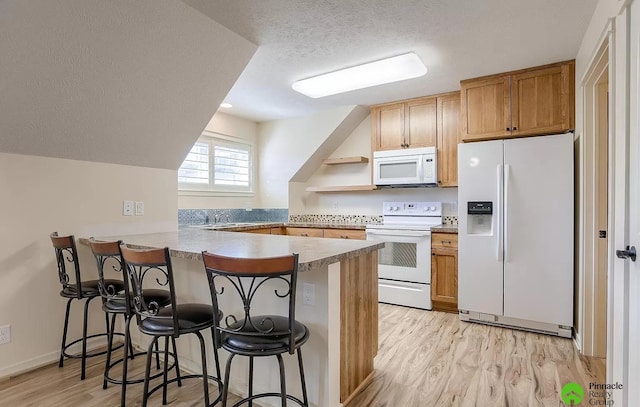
(538, 229)
(480, 267)
(633, 342)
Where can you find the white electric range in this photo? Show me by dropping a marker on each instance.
(404, 264)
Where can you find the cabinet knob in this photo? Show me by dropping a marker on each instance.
(344, 237)
(446, 241)
(508, 129)
(514, 128)
(303, 234)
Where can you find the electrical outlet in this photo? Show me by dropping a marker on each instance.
(139, 208)
(308, 294)
(5, 334)
(335, 205)
(127, 208)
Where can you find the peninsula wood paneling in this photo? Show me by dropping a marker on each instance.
(358, 321)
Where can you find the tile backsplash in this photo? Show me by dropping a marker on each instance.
(207, 216)
(339, 219)
(450, 220)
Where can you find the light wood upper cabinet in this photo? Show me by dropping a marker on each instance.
(407, 124)
(485, 109)
(420, 123)
(447, 141)
(528, 102)
(542, 101)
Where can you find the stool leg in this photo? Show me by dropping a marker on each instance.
(157, 356)
(147, 372)
(110, 330)
(250, 380)
(227, 372)
(125, 360)
(302, 380)
(283, 385)
(64, 333)
(205, 375)
(177, 366)
(166, 370)
(217, 359)
(84, 338)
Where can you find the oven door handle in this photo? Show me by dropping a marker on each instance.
(398, 233)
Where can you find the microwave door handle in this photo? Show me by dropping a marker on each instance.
(421, 169)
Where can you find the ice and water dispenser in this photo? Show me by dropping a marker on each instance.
(479, 217)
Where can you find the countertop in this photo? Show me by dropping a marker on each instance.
(445, 229)
(240, 226)
(189, 243)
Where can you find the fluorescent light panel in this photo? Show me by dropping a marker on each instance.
(226, 105)
(398, 68)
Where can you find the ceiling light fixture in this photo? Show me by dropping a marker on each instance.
(398, 68)
(226, 105)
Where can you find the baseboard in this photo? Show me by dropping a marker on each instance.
(43, 360)
(577, 341)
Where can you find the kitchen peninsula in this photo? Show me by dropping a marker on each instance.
(342, 315)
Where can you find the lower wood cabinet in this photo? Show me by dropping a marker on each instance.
(263, 231)
(345, 234)
(444, 272)
(306, 232)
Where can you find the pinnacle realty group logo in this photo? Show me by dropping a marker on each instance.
(600, 394)
(572, 394)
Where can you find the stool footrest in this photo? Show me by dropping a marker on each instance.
(192, 376)
(261, 395)
(141, 380)
(89, 355)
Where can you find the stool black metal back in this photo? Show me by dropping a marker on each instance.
(169, 322)
(107, 256)
(67, 256)
(257, 335)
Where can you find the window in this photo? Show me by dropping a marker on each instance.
(217, 163)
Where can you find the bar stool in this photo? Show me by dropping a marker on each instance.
(66, 253)
(173, 320)
(257, 335)
(116, 303)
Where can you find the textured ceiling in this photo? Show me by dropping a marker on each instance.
(456, 39)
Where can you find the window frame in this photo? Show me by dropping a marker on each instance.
(211, 189)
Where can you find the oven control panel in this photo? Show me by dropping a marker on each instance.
(412, 208)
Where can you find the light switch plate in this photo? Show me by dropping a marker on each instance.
(139, 208)
(5, 334)
(127, 208)
(308, 294)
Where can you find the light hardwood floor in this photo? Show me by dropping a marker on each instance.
(434, 359)
(425, 359)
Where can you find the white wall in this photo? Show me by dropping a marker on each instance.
(357, 203)
(42, 195)
(284, 146)
(229, 125)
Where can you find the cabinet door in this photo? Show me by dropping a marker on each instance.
(388, 127)
(448, 135)
(444, 279)
(421, 123)
(542, 100)
(485, 108)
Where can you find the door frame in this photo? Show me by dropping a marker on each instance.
(589, 280)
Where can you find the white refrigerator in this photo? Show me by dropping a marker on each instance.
(516, 233)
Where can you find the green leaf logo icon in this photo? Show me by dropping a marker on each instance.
(572, 394)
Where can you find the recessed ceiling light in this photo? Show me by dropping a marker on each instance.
(226, 105)
(387, 70)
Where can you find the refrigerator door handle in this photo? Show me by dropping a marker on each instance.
(498, 212)
(507, 170)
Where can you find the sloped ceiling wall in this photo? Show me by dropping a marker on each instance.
(117, 81)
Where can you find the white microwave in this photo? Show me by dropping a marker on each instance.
(408, 167)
